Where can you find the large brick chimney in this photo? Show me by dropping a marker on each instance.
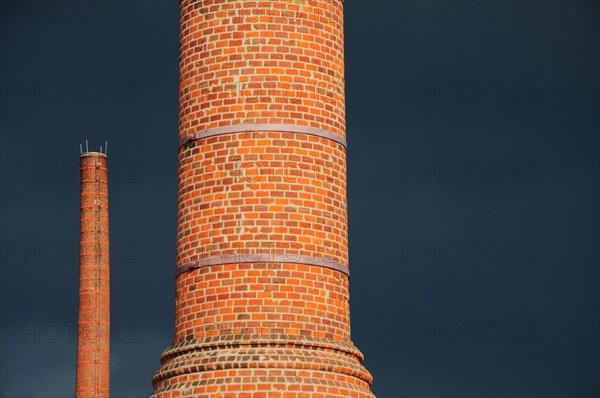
(93, 339)
(262, 304)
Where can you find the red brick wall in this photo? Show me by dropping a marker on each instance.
(262, 303)
(93, 343)
(262, 62)
(283, 192)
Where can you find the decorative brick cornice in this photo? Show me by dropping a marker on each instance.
(264, 127)
(214, 342)
(275, 351)
(272, 356)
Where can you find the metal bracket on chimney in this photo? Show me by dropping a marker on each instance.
(267, 127)
(272, 258)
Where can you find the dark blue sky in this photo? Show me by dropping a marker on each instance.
(473, 188)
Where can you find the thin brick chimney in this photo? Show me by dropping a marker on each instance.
(262, 278)
(93, 342)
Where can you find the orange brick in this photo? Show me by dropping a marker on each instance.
(256, 326)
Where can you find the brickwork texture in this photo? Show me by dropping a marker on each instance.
(93, 342)
(262, 298)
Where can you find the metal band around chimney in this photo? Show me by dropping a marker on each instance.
(273, 258)
(267, 127)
